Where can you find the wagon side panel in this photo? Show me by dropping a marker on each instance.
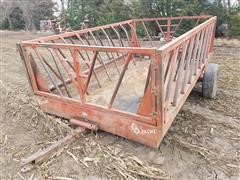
(184, 61)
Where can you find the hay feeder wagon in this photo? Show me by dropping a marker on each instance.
(122, 78)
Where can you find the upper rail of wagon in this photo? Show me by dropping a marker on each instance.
(186, 36)
(100, 28)
(173, 18)
(133, 50)
(83, 31)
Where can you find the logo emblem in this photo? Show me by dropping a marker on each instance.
(135, 129)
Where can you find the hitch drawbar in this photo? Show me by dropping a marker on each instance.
(43, 155)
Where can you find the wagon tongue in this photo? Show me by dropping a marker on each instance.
(43, 155)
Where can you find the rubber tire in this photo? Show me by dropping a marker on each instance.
(209, 85)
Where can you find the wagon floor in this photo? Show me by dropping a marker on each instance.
(131, 89)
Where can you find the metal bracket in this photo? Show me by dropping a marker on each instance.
(85, 124)
(154, 91)
(154, 114)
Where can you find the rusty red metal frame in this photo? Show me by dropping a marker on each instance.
(175, 67)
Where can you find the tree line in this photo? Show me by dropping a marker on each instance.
(22, 14)
(25, 14)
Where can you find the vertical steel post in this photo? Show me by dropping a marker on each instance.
(168, 38)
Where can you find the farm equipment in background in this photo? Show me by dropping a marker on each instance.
(53, 25)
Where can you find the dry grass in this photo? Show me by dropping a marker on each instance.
(227, 42)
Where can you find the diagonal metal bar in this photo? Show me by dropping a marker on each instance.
(176, 28)
(134, 38)
(51, 68)
(95, 40)
(200, 49)
(99, 39)
(66, 69)
(62, 54)
(89, 44)
(207, 43)
(120, 40)
(179, 77)
(100, 58)
(48, 73)
(193, 60)
(108, 54)
(112, 41)
(106, 35)
(147, 33)
(86, 39)
(118, 35)
(109, 39)
(104, 66)
(128, 58)
(87, 64)
(171, 71)
(91, 71)
(124, 29)
(159, 26)
(188, 61)
(61, 76)
(197, 22)
(79, 37)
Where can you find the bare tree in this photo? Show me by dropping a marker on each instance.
(63, 2)
(224, 4)
(229, 4)
(27, 7)
(6, 9)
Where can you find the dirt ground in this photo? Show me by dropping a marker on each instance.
(202, 143)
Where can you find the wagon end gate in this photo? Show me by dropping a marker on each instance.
(129, 78)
